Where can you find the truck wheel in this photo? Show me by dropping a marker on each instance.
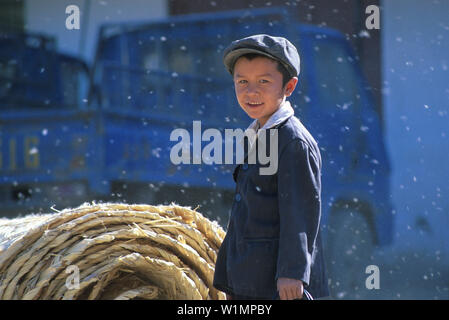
(349, 250)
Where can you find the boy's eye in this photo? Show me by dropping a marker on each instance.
(246, 81)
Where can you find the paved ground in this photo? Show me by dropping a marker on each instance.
(412, 275)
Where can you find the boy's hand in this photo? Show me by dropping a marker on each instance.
(290, 289)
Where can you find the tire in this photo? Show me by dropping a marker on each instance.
(349, 250)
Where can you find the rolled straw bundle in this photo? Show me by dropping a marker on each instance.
(110, 251)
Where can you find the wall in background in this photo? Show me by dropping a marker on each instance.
(415, 46)
(48, 16)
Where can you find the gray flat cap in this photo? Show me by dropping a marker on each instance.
(276, 48)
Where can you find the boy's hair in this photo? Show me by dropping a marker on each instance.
(285, 74)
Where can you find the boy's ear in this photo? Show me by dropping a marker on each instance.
(290, 86)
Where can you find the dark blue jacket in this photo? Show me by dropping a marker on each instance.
(273, 229)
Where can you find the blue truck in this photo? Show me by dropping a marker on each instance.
(44, 124)
(151, 78)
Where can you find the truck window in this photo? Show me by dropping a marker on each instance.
(211, 63)
(163, 73)
(8, 72)
(75, 83)
(34, 76)
(170, 55)
(110, 49)
(150, 58)
(25, 75)
(180, 58)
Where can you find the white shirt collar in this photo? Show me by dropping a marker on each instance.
(284, 112)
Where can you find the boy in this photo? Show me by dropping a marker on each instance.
(272, 246)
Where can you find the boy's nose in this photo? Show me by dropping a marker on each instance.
(251, 89)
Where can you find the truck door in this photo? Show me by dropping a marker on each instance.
(337, 105)
(353, 162)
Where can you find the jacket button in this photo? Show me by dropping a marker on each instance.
(245, 166)
(238, 197)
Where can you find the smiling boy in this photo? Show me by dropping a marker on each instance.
(272, 245)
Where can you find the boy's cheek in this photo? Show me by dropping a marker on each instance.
(241, 102)
(238, 92)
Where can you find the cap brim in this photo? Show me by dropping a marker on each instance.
(230, 59)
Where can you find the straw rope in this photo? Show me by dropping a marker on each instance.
(110, 251)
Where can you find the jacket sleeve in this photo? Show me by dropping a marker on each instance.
(299, 201)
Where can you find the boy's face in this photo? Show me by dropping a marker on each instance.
(258, 87)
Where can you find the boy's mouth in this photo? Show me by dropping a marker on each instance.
(254, 104)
